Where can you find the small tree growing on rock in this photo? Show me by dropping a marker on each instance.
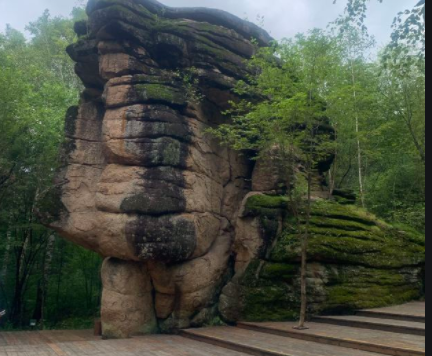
(282, 110)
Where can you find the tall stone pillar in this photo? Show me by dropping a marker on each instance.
(127, 299)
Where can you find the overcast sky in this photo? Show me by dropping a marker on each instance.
(283, 18)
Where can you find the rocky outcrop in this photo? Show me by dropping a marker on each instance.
(127, 302)
(145, 186)
(355, 261)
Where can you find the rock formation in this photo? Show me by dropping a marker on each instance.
(146, 187)
(355, 261)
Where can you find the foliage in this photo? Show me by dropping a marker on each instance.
(392, 135)
(190, 81)
(283, 108)
(409, 30)
(389, 107)
(409, 25)
(38, 273)
(287, 123)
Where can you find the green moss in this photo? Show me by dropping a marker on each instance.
(200, 34)
(160, 94)
(350, 213)
(216, 321)
(358, 276)
(348, 225)
(272, 303)
(362, 235)
(347, 298)
(133, 15)
(344, 201)
(220, 57)
(269, 296)
(410, 234)
(270, 210)
(275, 295)
(172, 154)
(375, 252)
(125, 7)
(152, 79)
(356, 238)
(355, 261)
(279, 271)
(266, 205)
(361, 288)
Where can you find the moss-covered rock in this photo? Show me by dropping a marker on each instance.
(355, 261)
(157, 93)
(351, 288)
(266, 205)
(350, 235)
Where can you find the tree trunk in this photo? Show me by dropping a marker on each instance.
(419, 147)
(6, 256)
(359, 148)
(45, 279)
(305, 243)
(4, 179)
(360, 164)
(37, 313)
(59, 278)
(15, 314)
(408, 116)
(332, 177)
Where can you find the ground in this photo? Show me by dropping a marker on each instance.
(268, 339)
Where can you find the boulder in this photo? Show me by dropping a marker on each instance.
(355, 261)
(143, 184)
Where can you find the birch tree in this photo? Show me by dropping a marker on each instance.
(290, 79)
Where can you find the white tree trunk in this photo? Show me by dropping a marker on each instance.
(359, 148)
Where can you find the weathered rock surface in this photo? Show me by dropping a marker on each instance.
(355, 261)
(170, 209)
(142, 183)
(127, 300)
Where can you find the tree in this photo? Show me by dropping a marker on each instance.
(393, 121)
(284, 112)
(405, 92)
(409, 29)
(37, 85)
(351, 90)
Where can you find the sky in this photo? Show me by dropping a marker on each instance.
(282, 18)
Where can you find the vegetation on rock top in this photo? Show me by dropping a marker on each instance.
(356, 261)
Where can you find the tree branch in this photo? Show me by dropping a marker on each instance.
(4, 179)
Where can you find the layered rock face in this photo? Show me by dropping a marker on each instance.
(143, 184)
(355, 261)
(146, 187)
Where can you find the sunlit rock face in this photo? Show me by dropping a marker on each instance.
(143, 184)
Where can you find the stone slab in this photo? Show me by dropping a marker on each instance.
(396, 326)
(80, 343)
(383, 342)
(261, 344)
(415, 311)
